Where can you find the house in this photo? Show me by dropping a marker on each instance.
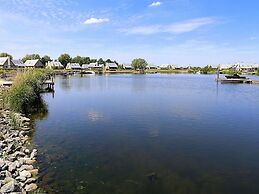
(226, 66)
(127, 67)
(34, 63)
(166, 66)
(54, 65)
(18, 63)
(92, 66)
(6, 62)
(246, 67)
(73, 66)
(111, 66)
(151, 66)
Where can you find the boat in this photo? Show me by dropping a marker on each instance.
(235, 78)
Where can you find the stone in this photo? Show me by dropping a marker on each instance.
(12, 167)
(9, 187)
(27, 151)
(33, 153)
(30, 180)
(26, 167)
(21, 178)
(34, 172)
(31, 187)
(25, 173)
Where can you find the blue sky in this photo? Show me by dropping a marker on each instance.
(181, 32)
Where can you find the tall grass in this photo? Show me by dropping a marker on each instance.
(24, 95)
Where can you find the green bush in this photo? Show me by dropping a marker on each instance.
(24, 95)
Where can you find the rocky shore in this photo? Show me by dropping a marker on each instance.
(18, 173)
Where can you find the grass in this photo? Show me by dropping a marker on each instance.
(24, 95)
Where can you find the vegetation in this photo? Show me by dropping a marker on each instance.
(208, 70)
(139, 64)
(64, 59)
(6, 55)
(30, 57)
(257, 73)
(45, 59)
(24, 95)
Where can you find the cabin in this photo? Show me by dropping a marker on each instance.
(34, 63)
(111, 66)
(54, 65)
(127, 67)
(73, 66)
(92, 66)
(18, 63)
(166, 67)
(247, 67)
(151, 67)
(6, 62)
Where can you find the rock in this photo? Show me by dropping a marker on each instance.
(30, 180)
(25, 119)
(27, 151)
(31, 187)
(25, 173)
(2, 163)
(26, 167)
(9, 187)
(34, 172)
(21, 178)
(12, 167)
(33, 153)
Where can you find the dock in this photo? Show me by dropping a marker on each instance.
(49, 84)
(237, 81)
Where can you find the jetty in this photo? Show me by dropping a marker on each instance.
(48, 84)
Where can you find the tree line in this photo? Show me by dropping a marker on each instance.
(64, 59)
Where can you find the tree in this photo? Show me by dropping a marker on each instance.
(93, 60)
(101, 61)
(207, 69)
(31, 57)
(64, 59)
(139, 64)
(6, 55)
(45, 59)
(86, 60)
(77, 59)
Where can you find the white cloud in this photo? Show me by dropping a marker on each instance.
(96, 21)
(155, 4)
(175, 28)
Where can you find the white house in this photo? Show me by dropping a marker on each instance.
(92, 66)
(127, 67)
(166, 66)
(6, 62)
(54, 65)
(34, 63)
(111, 66)
(150, 66)
(18, 63)
(73, 66)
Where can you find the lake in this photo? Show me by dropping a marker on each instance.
(149, 134)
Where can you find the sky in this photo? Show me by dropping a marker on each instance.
(180, 32)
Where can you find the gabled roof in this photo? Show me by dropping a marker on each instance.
(31, 63)
(54, 64)
(74, 65)
(18, 63)
(111, 65)
(3, 60)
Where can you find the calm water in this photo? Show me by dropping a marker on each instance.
(149, 134)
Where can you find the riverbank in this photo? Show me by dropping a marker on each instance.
(18, 159)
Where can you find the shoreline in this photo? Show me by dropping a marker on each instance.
(18, 158)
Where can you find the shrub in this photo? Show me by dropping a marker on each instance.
(24, 95)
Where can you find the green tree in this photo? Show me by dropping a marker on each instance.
(93, 60)
(45, 59)
(6, 55)
(86, 60)
(77, 59)
(64, 59)
(207, 69)
(101, 61)
(139, 64)
(31, 57)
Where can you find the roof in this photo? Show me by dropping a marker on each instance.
(31, 63)
(3, 60)
(18, 63)
(111, 65)
(74, 65)
(55, 64)
(92, 65)
(127, 66)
